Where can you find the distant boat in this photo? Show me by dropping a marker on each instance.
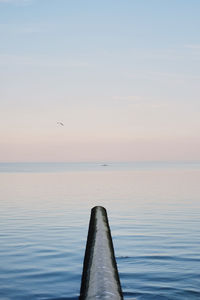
(104, 165)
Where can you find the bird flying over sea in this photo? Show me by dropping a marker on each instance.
(60, 123)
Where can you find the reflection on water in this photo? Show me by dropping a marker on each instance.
(154, 218)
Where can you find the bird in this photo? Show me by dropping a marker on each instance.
(60, 123)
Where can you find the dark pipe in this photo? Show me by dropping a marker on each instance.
(100, 278)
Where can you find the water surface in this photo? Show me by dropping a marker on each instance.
(154, 215)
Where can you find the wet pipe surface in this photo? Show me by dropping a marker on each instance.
(100, 278)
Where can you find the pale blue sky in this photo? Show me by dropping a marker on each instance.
(123, 76)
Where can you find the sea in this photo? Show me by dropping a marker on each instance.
(154, 215)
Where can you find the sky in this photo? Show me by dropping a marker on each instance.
(122, 75)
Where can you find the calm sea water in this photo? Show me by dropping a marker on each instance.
(154, 215)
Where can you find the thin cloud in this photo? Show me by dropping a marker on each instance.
(24, 29)
(138, 101)
(131, 99)
(18, 60)
(193, 46)
(16, 2)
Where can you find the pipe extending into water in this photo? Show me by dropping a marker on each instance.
(100, 278)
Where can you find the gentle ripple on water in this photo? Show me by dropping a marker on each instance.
(154, 219)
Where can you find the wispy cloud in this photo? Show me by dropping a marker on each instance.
(162, 76)
(16, 2)
(132, 99)
(24, 29)
(193, 46)
(40, 62)
(138, 101)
